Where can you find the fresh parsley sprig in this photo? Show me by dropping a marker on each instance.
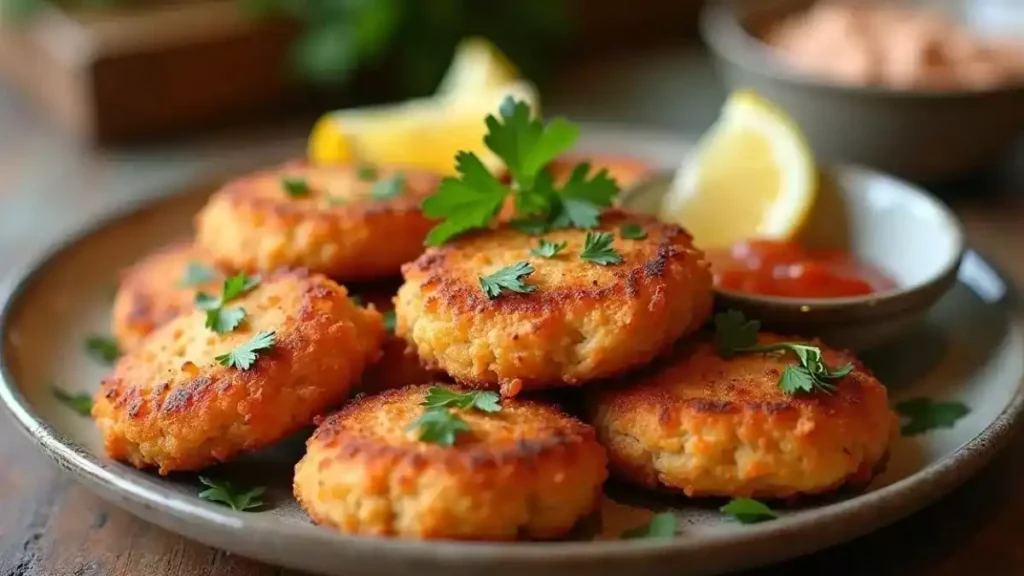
(632, 231)
(223, 492)
(388, 188)
(527, 145)
(748, 511)
(366, 172)
(219, 317)
(661, 525)
(734, 334)
(439, 424)
(103, 349)
(597, 249)
(80, 402)
(389, 321)
(295, 186)
(924, 414)
(244, 356)
(547, 249)
(196, 274)
(508, 278)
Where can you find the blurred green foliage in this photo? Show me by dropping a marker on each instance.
(340, 37)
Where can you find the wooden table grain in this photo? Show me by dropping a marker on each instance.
(50, 526)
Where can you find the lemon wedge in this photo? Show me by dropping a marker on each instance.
(751, 175)
(420, 134)
(426, 133)
(478, 67)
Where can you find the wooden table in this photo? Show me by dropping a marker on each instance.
(49, 526)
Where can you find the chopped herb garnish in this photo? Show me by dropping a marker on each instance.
(196, 274)
(632, 232)
(508, 278)
(439, 424)
(547, 249)
(223, 492)
(356, 299)
(473, 199)
(245, 355)
(80, 402)
(389, 321)
(661, 525)
(597, 249)
(366, 172)
(924, 414)
(748, 511)
(295, 186)
(734, 334)
(219, 317)
(388, 188)
(103, 349)
(336, 201)
(484, 400)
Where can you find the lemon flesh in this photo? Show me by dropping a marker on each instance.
(752, 175)
(427, 133)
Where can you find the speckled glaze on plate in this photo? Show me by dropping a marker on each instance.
(969, 349)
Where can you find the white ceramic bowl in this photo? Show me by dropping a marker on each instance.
(882, 221)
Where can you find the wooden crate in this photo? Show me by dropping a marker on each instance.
(169, 66)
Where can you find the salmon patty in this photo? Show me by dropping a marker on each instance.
(346, 222)
(526, 471)
(173, 404)
(582, 321)
(707, 426)
(158, 288)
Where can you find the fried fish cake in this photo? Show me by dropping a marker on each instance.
(172, 404)
(706, 426)
(158, 288)
(528, 471)
(581, 322)
(335, 220)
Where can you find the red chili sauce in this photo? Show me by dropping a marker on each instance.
(777, 268)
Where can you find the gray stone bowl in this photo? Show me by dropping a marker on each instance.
(925, 136)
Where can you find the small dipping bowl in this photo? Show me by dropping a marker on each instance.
(884, 222)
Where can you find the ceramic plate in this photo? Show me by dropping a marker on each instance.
(970, 349)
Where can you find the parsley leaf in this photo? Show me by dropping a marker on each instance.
(734, 334)
(366, 172)
(356, 299)
(597, 248)
(466, 203)
(389, 188)
(389, 321)
(80, 402)
(295, 186)
(484, 400)
(733, 331)
(661, 525)
(632, 232)
(223, 492)
(508, 278)
(219, 318)
(547, 249)
(197, 273)
(748, 510)
(527, 144)
(103, 349)
(245, 355)
(924, 414)
(439, 426)
(581, 200)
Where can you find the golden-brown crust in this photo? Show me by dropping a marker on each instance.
(712, 427)
(169, 404)
(150, 292)
(527, 471)
(583, 322)
(338, 229)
